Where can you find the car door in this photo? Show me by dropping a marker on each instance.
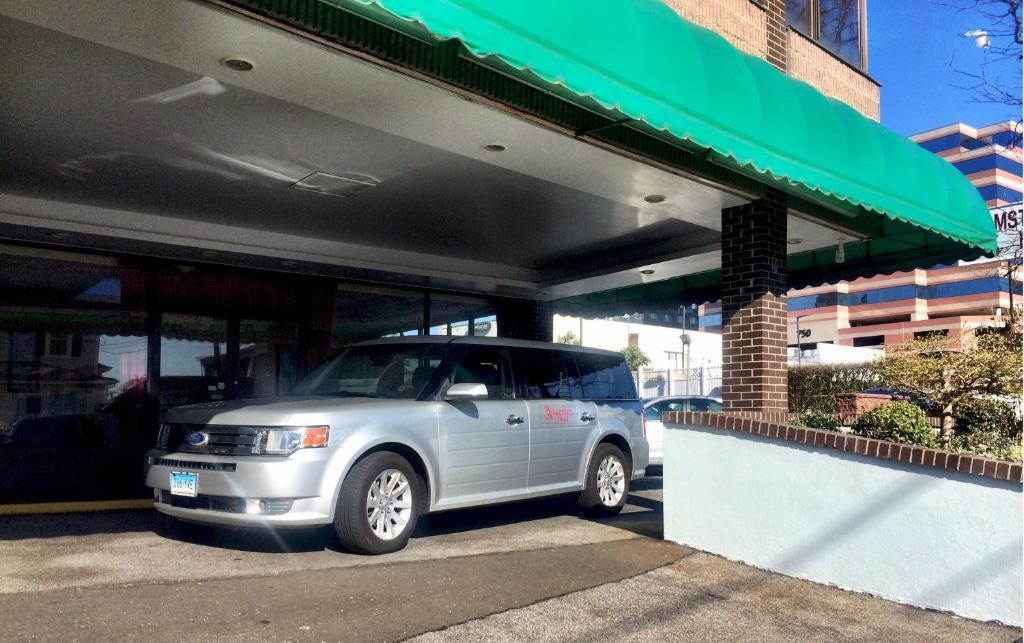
(560, 421)
(483, 444)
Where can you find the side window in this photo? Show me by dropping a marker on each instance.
(653, 414)
(703, 405)
(544, 375)
(605, 377)
(488, 367)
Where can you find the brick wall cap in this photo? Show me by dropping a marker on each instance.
(770, 425)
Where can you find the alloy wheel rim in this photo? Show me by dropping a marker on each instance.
(611, 481)
(389, 504)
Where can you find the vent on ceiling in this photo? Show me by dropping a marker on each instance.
(335, 184)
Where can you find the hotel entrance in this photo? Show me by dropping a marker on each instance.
(94, 347)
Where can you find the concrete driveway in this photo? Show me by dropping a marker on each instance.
(527, 571)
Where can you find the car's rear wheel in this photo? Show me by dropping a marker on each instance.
(378, 504)
(607, 483)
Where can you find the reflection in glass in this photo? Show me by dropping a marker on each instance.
(193, 361)
(268, 358)
(74, 416)
(365, 312)
(840, 29)
(796, 15)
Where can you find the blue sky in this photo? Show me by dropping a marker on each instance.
(910, 43)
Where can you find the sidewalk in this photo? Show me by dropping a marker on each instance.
(706, 598)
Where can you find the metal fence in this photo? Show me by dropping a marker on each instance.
(702, 380)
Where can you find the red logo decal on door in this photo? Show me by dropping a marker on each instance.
(556, 415)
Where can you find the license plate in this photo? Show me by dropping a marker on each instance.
(184, 484)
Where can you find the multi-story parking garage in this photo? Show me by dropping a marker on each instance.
(201, 199)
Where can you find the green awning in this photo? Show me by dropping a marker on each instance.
(683, 84)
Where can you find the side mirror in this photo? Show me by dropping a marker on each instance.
(464, 392)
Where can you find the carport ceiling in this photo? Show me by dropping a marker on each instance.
(143, 135)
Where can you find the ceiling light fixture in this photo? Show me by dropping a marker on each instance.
(795, 241)
(654, 198)
(209, 253)
(494, 147)
(59, 235)
(840, 253)
(647, 272)
(237, 64)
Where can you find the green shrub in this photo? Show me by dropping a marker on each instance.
(814, 387)
(900, 422)
(989, 417)
(988, 444)
(817, 420)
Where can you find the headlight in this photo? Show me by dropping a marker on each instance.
(288, 440)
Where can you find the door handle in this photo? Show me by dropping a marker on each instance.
(514, 419)
(586, 417)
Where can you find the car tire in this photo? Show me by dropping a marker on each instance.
(607, 483)
(378, 504)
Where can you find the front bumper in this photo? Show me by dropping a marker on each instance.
(226, 482)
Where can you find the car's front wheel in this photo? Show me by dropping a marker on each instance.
(378, 504)
(607, 484)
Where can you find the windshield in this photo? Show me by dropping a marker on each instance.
(393, 371)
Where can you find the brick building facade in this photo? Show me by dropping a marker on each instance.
(764, 29)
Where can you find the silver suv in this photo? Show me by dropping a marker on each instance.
(391, 429)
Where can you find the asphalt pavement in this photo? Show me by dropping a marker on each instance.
(529, 571)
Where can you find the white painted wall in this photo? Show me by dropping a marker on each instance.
(835, 354)
(655, 341)
(903, 532)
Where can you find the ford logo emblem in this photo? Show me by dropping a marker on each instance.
(197, 439)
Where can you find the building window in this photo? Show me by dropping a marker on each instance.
(869, 342)
(834, 24)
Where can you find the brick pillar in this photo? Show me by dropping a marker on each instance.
(754, 305)
(775, 11)
(523, 319)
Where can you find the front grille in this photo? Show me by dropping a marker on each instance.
(228, 504)
(223, 440)
(200, 466)
(202, 501)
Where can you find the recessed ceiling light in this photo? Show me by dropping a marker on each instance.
(494, 147)
(795, 241)
(341, 185)
(654, 198)
(237, 64)
(647, 272)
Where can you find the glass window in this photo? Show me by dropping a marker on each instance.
(74, 415)
(460, 315)
(193, 359)
(362, 312)
(543, 374)
(807, 302)
(488, 367)
(605, 377)
(840, 28)
(268, 358)
(393, 371)
(834, 24)
(869, 342)
(704, 405)
(797, 16)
